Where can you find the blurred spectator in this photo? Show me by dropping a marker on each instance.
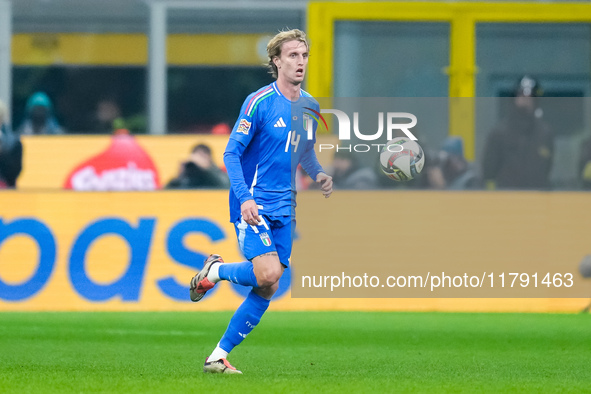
(450, 170)
(39, 117)
(199, 172)
(221, 129)
(348, 173)
(11, 152)
(519, 150)
(585, 164)
(108, 117)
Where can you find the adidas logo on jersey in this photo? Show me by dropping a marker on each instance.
(280, 123)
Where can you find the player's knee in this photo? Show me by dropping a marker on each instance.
(269, 277)
(267, 292)
(267, 281)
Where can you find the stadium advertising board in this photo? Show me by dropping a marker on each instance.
(137, 250)
(115, 251)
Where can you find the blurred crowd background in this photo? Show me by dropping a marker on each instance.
(81, 67)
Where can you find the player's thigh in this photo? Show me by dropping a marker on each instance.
(255, 240)
(267, 245)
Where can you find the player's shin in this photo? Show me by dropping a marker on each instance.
(246, 317)
(239, 273)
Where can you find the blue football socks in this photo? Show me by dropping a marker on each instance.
(246, 317)
(239, 273)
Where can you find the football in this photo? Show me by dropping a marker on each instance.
(402, 159)
(585, 267)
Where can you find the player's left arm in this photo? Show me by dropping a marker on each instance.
(309, 161)
(314, 169)
(325, 183)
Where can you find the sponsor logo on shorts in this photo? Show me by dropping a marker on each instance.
(243, 127)
(265, 238)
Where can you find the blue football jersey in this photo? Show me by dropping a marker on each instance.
(276, 134)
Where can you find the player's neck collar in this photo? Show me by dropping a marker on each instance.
(276, 87)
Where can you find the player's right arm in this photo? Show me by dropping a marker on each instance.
(248, 207)
(240, 137)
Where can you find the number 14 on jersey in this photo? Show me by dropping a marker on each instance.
(294, 138)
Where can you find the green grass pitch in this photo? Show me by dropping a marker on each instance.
(296, 352)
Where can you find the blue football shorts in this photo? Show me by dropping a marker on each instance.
(271, 235)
